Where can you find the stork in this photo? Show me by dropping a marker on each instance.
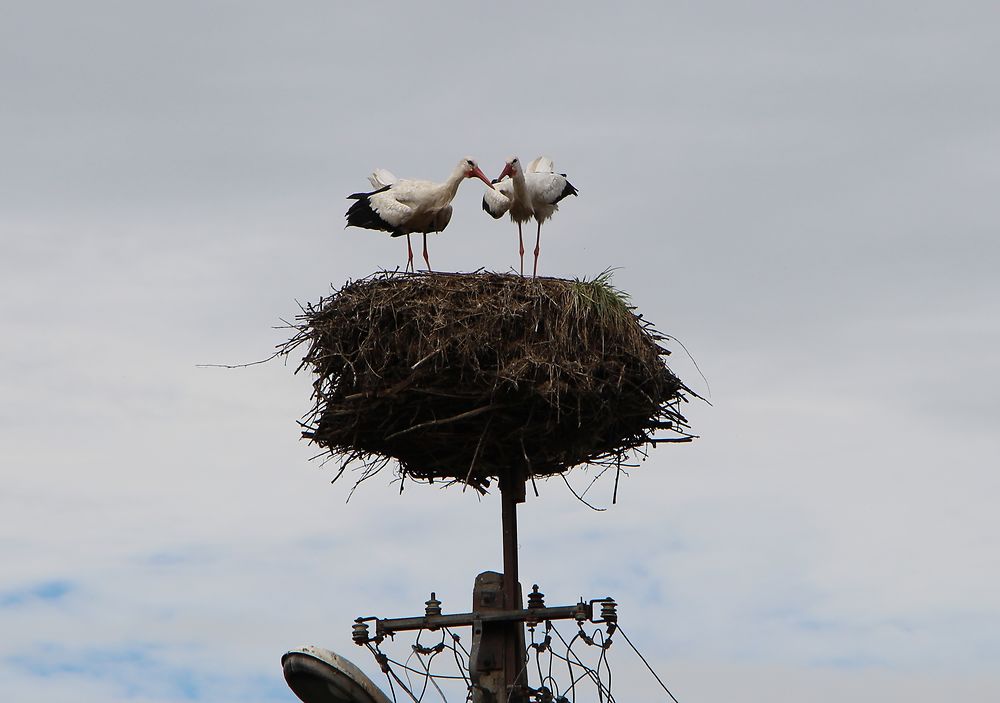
(402, 207)
(535, 192)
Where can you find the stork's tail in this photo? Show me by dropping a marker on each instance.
(569, 190)
(361, 214)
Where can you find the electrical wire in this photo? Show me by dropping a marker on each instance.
(639, 654)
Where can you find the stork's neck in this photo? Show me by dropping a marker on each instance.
(450, 187)
(520, 187)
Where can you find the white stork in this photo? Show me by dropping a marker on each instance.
(535, 193)
(406, 206)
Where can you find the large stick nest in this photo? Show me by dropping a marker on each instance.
(465, 376)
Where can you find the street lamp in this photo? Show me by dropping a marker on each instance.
(317, 675)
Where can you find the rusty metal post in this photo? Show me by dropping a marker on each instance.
(512, 492)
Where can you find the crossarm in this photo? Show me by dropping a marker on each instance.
(580, 611)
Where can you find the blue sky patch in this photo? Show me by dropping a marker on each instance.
(45, 591)
(151, 671)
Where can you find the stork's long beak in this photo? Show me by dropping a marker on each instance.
(478, 173)
(507, 171)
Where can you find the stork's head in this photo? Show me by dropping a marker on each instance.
(472, 170)
(511, 168)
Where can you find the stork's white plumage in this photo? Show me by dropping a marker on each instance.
(402, 207)
(380, 178)
(534, 193)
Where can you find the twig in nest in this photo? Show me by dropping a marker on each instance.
(578, 497)
(454, 418)
(475, 455)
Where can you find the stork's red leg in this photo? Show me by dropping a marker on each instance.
(520, 241)
(409, 254)
(425, 253)
(538, 248)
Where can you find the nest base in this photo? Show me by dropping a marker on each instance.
(462, 377)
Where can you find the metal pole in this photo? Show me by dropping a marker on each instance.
(512, 485)
(508, 513)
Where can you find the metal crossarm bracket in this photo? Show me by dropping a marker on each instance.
(580, 611)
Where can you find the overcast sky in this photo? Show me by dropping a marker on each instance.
(803, 193)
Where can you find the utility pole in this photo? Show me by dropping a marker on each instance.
(497, 663)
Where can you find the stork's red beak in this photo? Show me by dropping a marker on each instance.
(507, 171)
(478, 173)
